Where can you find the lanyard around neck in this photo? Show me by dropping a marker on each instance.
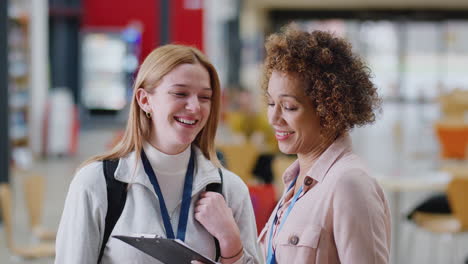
(271, 257)
(186, 197)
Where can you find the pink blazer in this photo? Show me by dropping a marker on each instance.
(342, 215)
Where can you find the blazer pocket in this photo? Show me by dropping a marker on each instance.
(298, 247)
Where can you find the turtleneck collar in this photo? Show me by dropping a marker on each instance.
(164, 163)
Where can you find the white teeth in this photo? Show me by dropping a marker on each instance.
(282, 134)
(185, 121)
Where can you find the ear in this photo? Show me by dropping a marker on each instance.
(142, 97)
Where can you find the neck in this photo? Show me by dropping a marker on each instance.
(167, 163)
(308, 159)
(168, 149)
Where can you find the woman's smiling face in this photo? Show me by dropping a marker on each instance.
(292, 114)
(179, 106)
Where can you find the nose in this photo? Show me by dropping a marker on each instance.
(274, 115)
(193, 104)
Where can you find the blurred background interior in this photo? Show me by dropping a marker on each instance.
(66, 70)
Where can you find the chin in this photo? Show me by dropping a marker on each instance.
(185, 139)
(286, 150)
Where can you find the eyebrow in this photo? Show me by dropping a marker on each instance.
(184, 85)
(286, 95)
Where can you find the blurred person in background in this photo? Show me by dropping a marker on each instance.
(168, 142)
(241, 115)
(331, 211)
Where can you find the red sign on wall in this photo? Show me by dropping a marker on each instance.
(186, 20)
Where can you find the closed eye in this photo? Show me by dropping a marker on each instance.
(206, 98)
(180, 95)
(289, 108)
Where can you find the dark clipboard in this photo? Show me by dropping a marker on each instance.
(168, 251)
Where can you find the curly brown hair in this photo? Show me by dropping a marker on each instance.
(337, 80)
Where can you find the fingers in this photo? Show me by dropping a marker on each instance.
(200, 208)
(211, 204)
(202, 215)
(209, 197)
(210, 194)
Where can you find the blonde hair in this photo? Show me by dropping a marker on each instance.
(157, 64)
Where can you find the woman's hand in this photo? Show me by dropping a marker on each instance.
(213, 213)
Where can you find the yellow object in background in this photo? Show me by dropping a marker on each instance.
(247, 124)
(454, 104)
(240, 159)
(242, 123)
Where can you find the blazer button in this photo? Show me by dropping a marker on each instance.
(308, 181)
(293, 240)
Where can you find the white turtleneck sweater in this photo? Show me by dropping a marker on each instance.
(83, 220)
(170, 171)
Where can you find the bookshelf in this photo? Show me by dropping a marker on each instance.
(4, 124)
(18, 79)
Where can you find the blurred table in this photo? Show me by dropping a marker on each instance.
(395, 185)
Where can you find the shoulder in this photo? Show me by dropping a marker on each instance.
(89, 179)
(349, 169)
(235, 191)
(352, 177)
(233, 182)
(353, 180)
(355, 186)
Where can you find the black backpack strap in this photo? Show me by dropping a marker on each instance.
(116, 197)
(216, 187)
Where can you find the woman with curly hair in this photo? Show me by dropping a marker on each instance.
(332, 211)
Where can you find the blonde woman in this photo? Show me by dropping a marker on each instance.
(168, 142)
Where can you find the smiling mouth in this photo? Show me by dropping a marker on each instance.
(185, 121)
(282, 134)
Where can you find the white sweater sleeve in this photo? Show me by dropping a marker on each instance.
(81, 226)
(239, 200)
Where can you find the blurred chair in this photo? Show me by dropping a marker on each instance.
(240, 158)
(263, 198)
(39, 250)
(448, 224)
(34, 187)
(457, 169)
(453, 138)
(454, 104)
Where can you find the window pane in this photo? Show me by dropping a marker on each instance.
(422, 60)
(380, 45)
(456, 38)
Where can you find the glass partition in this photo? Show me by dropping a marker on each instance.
(409, 60)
